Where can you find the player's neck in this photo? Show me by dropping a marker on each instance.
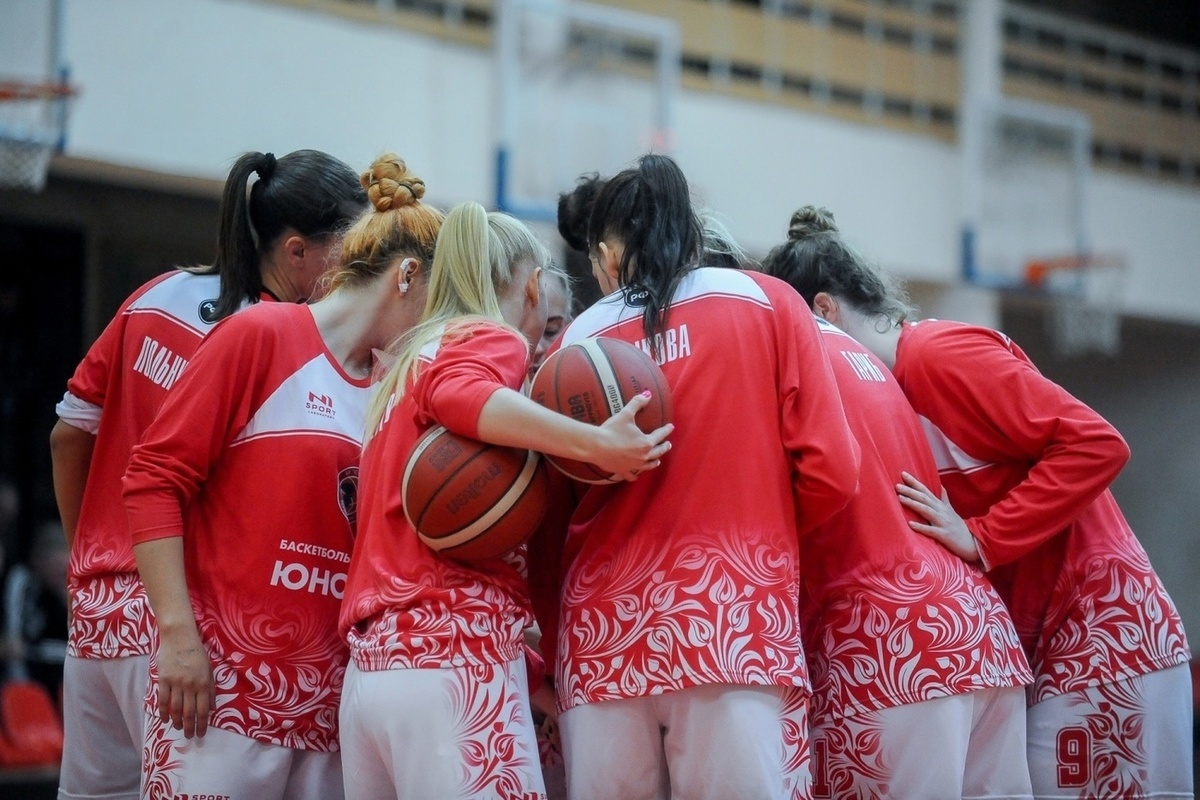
(877, 334)
(349, 320)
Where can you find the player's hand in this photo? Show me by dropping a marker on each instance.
(626, 451)
(186, 695)
(942, 522)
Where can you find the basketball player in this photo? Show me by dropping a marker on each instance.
(436, 701)
(900, 634)
(273, 242)
(241, 505)
(559, 298)
(680, 669)
(1029, 466)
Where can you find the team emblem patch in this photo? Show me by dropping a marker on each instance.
(208, 311)
(637, 297)
(348, 493)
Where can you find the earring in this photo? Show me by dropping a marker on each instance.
(403, 286)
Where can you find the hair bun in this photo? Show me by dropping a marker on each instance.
(390, 185)
(809, 221)
(266, 166)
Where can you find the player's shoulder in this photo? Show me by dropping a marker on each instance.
(185, 296)
(265, 325)
(833, 333)
(734, 285)
(941, 333)
(478, 335)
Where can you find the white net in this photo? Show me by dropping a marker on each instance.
(1085, 305)
(25, 160)
(31, 127)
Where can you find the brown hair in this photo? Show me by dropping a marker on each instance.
(399, 225)
(815, 259)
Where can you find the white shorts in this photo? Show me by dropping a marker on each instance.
(1130, 739)
(718, 742)
(963, 746)
(223, 765)
(104, 709)
(440, 734)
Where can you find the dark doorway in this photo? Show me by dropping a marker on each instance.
(41, 312)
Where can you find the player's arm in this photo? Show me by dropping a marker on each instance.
(73, 438)
(1073, 452)
(70, 460)
(825, 454)
(941, 522)
(466, 389)
(211, 401)
(186, 694)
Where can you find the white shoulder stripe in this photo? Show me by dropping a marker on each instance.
(314, 400)
(948, 456)
(705, 282)
(178, 298)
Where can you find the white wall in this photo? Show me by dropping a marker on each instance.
(184, 86)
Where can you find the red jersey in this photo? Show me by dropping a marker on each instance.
(406, 606)
(1028, 466)
(255, 460)
(890, 616)
(689, 575)
(115, 392)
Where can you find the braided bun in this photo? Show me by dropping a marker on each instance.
(390, 185)
(809, 221)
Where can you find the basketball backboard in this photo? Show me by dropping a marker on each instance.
(581, 88)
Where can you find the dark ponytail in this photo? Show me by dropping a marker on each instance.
(649, 210)
(308, 191)
(815, 259)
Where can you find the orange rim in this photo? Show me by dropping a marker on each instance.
(24, 90)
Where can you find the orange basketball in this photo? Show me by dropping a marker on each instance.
(593, 379)
(471, 500)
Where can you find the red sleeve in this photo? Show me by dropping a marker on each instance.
(468, 368)
(825, 452)
(1074, 454)
(213, 400)
(90, 381)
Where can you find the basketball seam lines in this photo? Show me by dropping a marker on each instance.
(511, 495)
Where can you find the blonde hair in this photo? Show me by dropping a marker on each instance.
(473, 265)
(399, 224)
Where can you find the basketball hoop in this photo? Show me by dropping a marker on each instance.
(32, 125)
(1084, 293)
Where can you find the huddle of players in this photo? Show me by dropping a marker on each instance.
(790, 603)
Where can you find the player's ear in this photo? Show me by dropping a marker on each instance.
(408, 271)
(610, 260)
(294, 248)
(533, 288)
(826, 307)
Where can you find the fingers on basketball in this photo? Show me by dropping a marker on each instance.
(591, 380)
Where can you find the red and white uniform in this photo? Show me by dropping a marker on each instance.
(406, 607)
(425, 631)
(689, 575)
(115, 392)
(1028, 466)
(1029, 469)
(254, 461)
(891, 617)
